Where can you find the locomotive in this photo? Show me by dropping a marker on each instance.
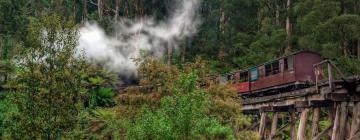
(281, 74)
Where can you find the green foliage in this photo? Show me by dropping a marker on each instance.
(49, 83)
(4, 112)
(102, 97)
(182, 116)
(98, 84)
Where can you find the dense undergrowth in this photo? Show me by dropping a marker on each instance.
(47, 93)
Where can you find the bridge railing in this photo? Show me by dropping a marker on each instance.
(326, 71)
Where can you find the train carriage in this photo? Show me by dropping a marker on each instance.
(296, 68)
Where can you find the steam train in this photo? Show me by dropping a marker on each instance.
(285, 73)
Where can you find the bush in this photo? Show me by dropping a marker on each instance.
(182, 116)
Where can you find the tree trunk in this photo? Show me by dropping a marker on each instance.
(358, 48)
(85, 10)
(138, 9)
(342, 4)
(99, 3)
(277, 13)
(169, 51)
(126, 2)
(221, 21)
(1, 47)
(288, 28)
(183, 52)
(117, 9)
(74, 9)
(343, 44)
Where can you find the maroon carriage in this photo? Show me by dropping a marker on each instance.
(294, 69)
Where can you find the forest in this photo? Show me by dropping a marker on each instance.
(132, 69)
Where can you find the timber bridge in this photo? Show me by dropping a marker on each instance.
(336, 98)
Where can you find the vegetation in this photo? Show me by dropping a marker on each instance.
(49, 91)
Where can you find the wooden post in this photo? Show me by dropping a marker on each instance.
(274, 125)
(317, 73)
(292, 125)
(330, 76)
(262, 124)
(315, 122)
(355, 123)
(334, 134)
(343, 121)
(302, 126)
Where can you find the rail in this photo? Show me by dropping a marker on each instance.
(319, 72)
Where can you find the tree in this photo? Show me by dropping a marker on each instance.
(49, 84)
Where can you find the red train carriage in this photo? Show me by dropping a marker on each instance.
(289, 70)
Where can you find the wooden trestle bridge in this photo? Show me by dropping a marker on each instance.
(303, 108)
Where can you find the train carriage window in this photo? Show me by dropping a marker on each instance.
(272, 68)
(244, 76)
(288, 63)
(254, 74)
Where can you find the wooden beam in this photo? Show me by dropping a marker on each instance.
(274, 125)
(262, 124)
(323, 133)
(355, 123)
(292, 125)
(343, 121)
(335, 130)
(253, 126)
(281, 129)
(257, 104)
(302, 125)
(355, 137)
(315, 122)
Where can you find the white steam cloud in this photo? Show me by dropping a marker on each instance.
(132, 37)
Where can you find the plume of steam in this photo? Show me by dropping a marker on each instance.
(133, 36)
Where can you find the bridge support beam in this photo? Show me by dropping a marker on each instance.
(315, 122)
(335, 133)
(274, 125)
(302, 125)
(343, 121)
(340, 122)
(292, 125)
(262, 124)
(355, 123)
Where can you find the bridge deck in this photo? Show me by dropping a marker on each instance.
(322, 95)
